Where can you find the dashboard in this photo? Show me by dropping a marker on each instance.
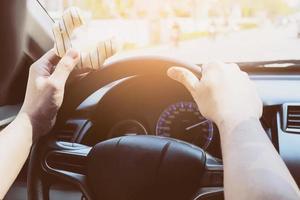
(157, 105)
(152, 105)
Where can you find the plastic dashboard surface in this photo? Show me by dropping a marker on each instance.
(143, 98)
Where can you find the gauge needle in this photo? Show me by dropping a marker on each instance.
(195, 125)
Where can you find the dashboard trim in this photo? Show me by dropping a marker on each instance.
(289, 149)
(92, 100)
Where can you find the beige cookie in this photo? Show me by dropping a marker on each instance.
(63, 33)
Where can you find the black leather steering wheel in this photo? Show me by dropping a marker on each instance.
(129, 167)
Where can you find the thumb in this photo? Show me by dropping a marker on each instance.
(65, 67)
(184, 76)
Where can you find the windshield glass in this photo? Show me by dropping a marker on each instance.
(196, 30)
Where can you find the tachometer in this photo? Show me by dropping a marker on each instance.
(183, 121)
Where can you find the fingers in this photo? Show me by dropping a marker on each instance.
(50, 57)
(45, 65)
(47, 61)
(212, 66)
(65, 67)
(184, 76)
(211, 72)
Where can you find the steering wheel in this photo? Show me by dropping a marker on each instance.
(128, 167)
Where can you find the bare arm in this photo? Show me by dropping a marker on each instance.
(43, 98)
(252, 167)
(15, 143)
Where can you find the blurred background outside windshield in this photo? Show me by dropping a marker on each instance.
(196, 30)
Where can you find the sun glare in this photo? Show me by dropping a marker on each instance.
(197, 30)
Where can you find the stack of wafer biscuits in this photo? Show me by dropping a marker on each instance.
(63, 30)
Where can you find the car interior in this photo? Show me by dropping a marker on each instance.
(127, 131)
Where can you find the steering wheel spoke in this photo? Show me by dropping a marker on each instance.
(60, 159)
(67, 156)
(213, 174)
(68, 161)
(211, 186)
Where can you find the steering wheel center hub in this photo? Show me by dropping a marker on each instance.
(145, 167)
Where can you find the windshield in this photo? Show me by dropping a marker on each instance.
(195, 30)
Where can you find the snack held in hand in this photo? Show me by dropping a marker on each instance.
(64, 30)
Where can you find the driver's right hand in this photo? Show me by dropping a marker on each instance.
(225, 94)
(45, 89)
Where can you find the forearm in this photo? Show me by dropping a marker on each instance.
(15, 143)
(252, 167)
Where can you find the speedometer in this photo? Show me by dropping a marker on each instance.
(183, 121)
